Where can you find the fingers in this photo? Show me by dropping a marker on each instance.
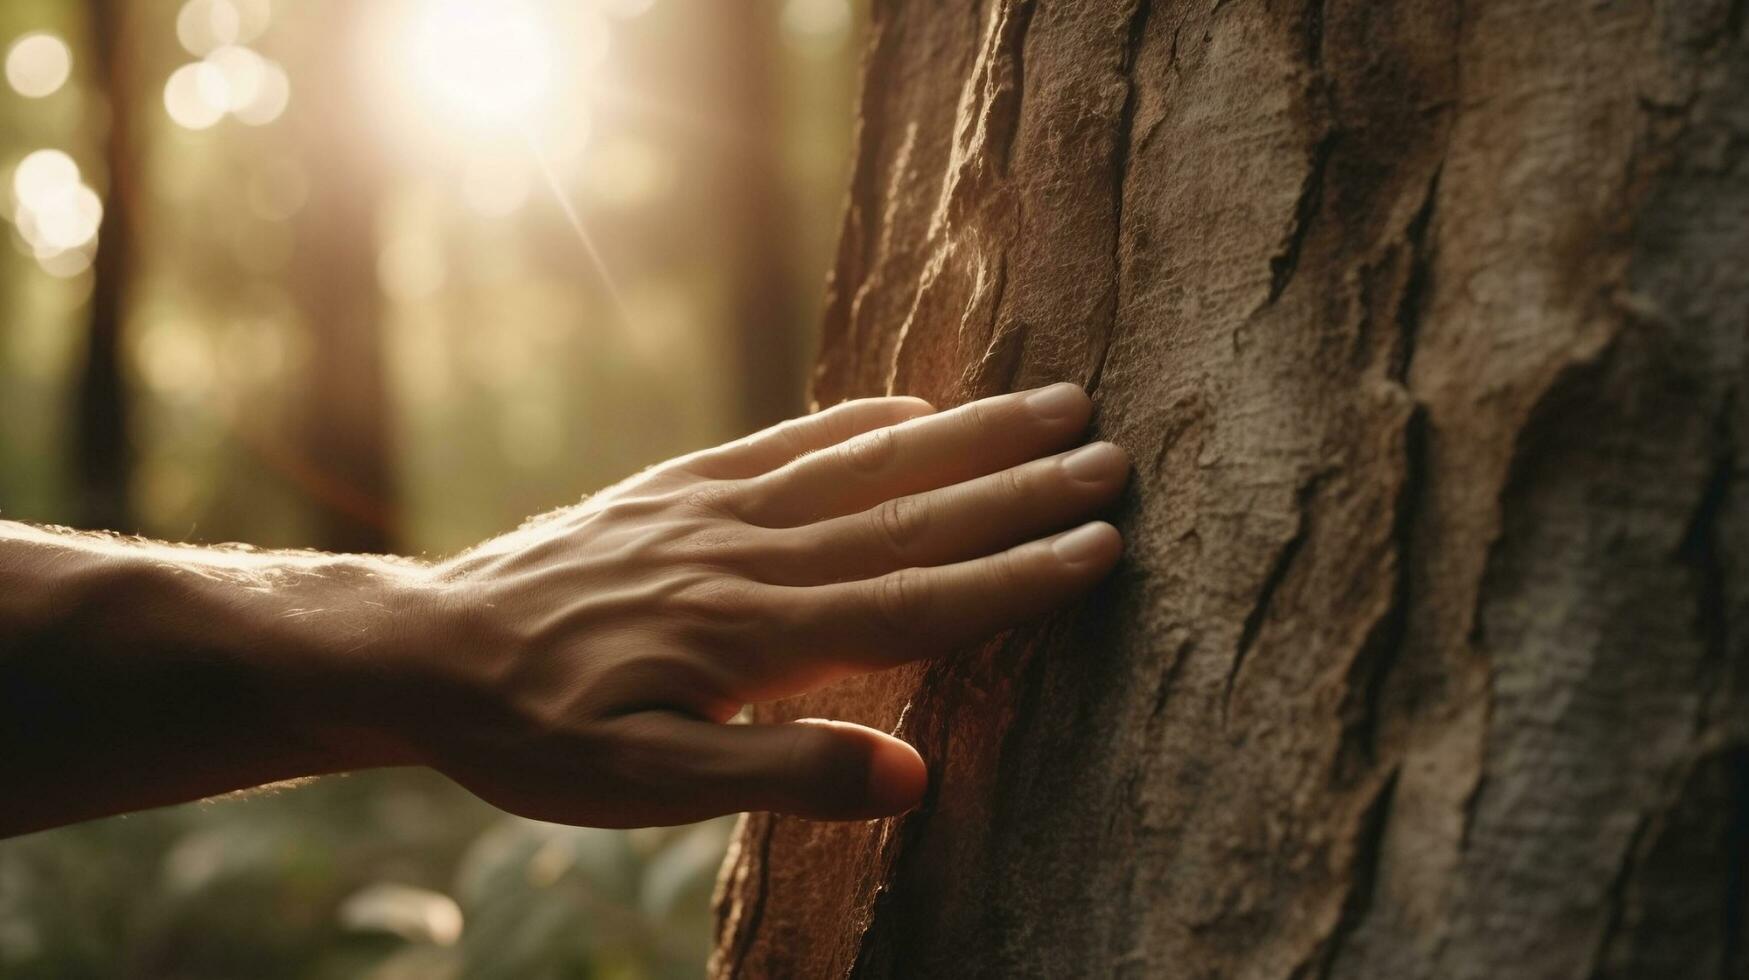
(921, 612)
(823, 770)
(770, 448)
(956, 523)
(922, 454)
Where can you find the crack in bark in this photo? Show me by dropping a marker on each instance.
(747, 928)
(996, 370)
(1120, 164)
(1287, 261)
(1278, 570)
(1645, 861)
(874, 951)
(1315, 11)
(1384, 643)
(1363, 872)
(1015, 40)
(1410, 307)
(1169, 680)
(1614, 899)
(1699, 547)
(1383, 646)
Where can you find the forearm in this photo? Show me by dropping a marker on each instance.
(134, 674)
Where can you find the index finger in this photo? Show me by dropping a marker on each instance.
(926, 453)
(770, 448)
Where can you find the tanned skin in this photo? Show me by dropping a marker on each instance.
(583, 668)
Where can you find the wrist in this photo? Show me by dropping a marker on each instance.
(356, 632)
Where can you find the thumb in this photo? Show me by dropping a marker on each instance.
(814, 768)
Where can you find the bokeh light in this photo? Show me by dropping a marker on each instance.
(38, 64)
(70, 221)
(243, 71)
(231, 79)
(204, 26)
(196, 96)
(66, 264)
(269, 98)
(55, 213)
(41, 175)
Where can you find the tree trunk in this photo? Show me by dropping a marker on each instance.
(343, 460)
(765, 347)
(1424, 324)
(103, 452)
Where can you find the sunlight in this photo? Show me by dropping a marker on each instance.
(489, 63)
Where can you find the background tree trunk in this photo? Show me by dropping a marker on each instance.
(1424, 324)
(343, 458)
(765, 349)
(103, 451)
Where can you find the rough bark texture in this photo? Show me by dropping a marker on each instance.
(1425, 326)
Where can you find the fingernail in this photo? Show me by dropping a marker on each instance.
(1095, 463)
(1086, 543)
(1057, 401)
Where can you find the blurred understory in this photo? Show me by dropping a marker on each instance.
(307, 275)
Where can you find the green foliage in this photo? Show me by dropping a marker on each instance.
(350, 877)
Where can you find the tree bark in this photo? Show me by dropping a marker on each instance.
(1424, 324)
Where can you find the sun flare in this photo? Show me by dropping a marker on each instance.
(485, 64)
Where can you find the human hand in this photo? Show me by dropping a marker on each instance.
(586, 665)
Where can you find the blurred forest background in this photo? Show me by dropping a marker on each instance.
(390, 276)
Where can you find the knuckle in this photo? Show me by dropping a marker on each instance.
(719, 602)
(704, 545)
(1013, 484)
(901, 522)
(749, 552)
(869, 452)
(718, 498)
(898, 601)
(979, 417)
(792, 438)
(838, 422)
